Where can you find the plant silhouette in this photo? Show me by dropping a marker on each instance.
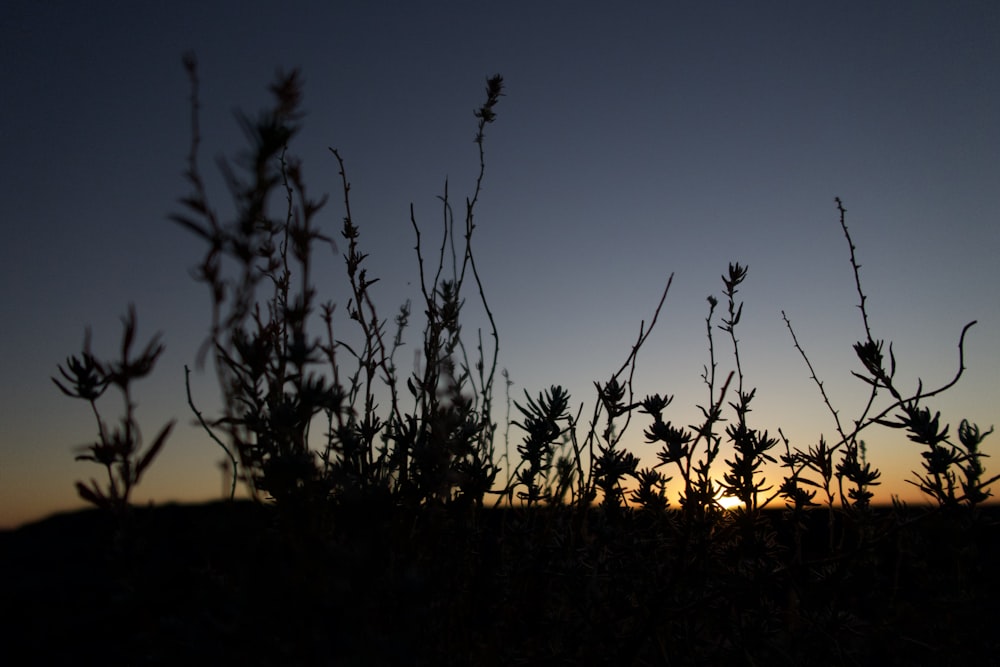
(385, 527)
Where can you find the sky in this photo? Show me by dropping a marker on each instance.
(634, 142)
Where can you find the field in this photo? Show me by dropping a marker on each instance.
(387, 528)
(238, 583)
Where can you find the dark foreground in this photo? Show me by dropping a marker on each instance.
(242, 584)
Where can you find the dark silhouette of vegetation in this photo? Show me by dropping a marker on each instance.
(117, 449)
(382, 530)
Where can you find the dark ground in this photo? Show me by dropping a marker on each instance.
(233, 584)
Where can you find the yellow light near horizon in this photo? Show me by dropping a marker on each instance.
(730, 502)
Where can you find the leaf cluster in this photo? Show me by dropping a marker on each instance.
(119, 448)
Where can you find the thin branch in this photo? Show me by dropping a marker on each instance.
(208, 429)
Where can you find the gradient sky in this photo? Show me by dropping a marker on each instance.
(632, 143)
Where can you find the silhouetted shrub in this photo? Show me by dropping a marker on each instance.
(375, 543)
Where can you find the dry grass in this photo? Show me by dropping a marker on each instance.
(383, 533)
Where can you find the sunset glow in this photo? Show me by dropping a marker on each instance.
(632, 143)
(730, 502)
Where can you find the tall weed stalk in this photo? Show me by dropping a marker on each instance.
(278, 375)
(582, 555)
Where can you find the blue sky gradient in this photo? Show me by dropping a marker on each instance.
(632, 143)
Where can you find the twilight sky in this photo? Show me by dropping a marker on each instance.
(633, 143)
